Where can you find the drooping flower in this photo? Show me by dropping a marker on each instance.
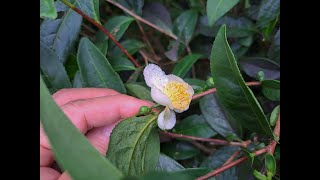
(170, 91)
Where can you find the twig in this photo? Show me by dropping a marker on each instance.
(270, 149)
(202, 147)
(146, 40)
(143, 20)
(196, 96)
(105, 31)
(88, 28)
(232, 157)
(215, 141)
(145, 57)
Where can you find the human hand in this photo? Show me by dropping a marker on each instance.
(95, 112)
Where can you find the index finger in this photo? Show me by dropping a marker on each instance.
(95, 112)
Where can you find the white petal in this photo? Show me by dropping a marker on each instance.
(154, 76)
(159, 97)
(166, 119)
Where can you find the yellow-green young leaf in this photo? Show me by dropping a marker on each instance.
(259, 176)
(233, 93)
(274, 115)
(95, 68)
(47, 9)
(116, 26)
(270, 163)
(217, 8)
(138, 91)
(271, 89)
(71, 148)
(88, 7)
(185, 64)
(185, 25)
(134, 145)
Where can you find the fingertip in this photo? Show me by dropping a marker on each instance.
(132, 105)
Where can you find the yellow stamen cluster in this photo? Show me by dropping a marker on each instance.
(178, 95)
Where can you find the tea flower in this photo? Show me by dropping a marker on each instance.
(170, 91)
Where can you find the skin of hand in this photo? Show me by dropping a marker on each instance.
(95, 112)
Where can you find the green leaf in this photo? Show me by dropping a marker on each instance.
(122, 64)
(134, 145)
(179, 150)
(239, 27)
(174, 50)
(274, 115)
(79, 158)
(167, 164)
(233, 93)
(88, 7)
(77, 81)
(185, 64)
(270, 163)
(131, 45)
(117, 25)
(271, 89)
(194, 125)
(158, 15)
(95, 69)
(197, 5)
(274, 51)
(218, 158)
(259, 176)
(214, 115)
(260, 76)
(47, 9)
(135, 6)
(192, 173)
(217, 8)
(71, 66)
(185, 24)
(198, 85)
(269, 10)
(161, 176)
(61, 34)
(251, 66)
(53, 69)
(138, 91)
(96, 5)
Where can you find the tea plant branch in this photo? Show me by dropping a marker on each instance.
(215, 141)
(104, 30)
(202, 147)
(268, 149)
(146, 40)
(196, 96)
(143, 20)
(232, 157)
